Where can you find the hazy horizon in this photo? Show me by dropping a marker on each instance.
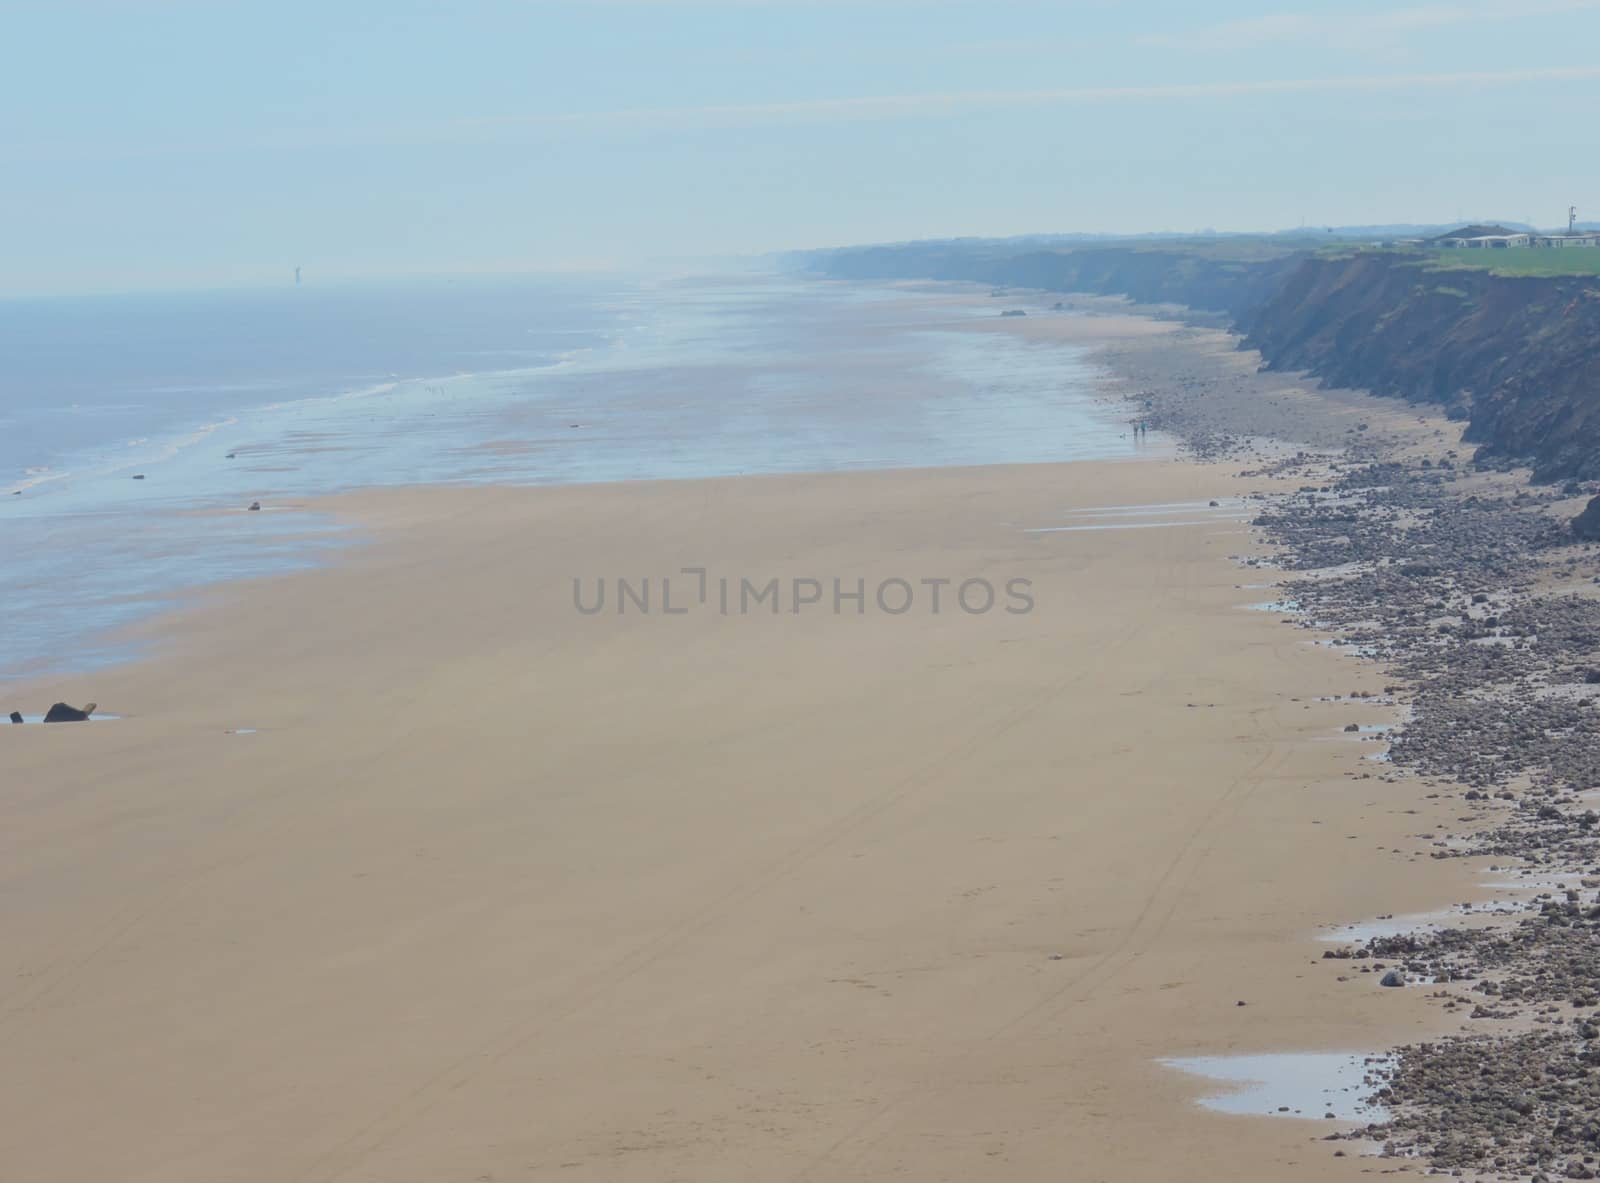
(158, 144)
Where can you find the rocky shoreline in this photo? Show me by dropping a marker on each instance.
(1479, 598)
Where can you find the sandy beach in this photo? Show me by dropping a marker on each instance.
(777, 591)
(407, 869)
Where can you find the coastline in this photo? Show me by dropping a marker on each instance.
(1474, 592)
(712, 901)
(723, 376)
(761, 896)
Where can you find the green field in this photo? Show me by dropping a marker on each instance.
(1519, 261)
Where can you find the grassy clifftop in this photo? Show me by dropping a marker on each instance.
(1529, 262)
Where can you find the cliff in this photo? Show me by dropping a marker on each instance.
(1149, 275)
(1517, 357)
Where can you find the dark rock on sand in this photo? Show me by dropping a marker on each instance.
(62, 713)
(16, 716)
(255, 505)
(1394, 977)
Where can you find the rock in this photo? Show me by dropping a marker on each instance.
(255, 505)
(1352, 726)
(16, 716)
(1394, 977)
(1013, 312)
(62, 713)
(1215, 504)
(1587, 524)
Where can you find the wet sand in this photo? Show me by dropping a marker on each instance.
(497, 890)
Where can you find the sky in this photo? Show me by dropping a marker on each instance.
(150, 144)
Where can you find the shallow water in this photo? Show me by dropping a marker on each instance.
(1393, 926)
(1156, 515)
(1290, 1084)
(1285, 607)
(1111, 526)
(223, 400)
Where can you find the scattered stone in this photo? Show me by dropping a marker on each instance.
(16, 716)
(62, 713)
(255, 506)
(1443, 573)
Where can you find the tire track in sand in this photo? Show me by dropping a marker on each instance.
(348, 1155)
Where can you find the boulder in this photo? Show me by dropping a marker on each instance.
(1587, 524)
(62, 713)
(1393, 978)
(16, 716)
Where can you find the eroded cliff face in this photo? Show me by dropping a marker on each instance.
(1145, 274)
(1518, 358)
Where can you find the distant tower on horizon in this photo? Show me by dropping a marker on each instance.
(297, 277)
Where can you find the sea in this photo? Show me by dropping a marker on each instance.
(136, 430)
